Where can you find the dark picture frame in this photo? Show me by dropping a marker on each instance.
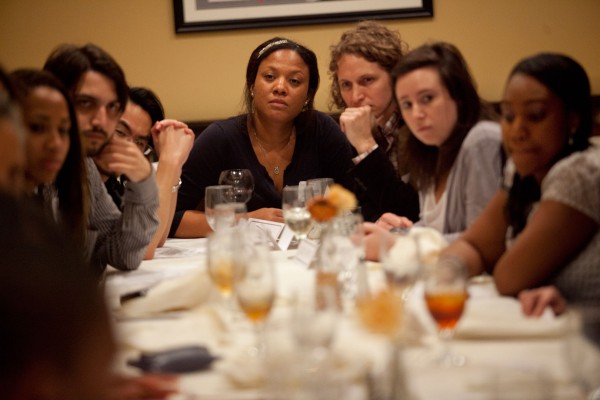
(212, 15)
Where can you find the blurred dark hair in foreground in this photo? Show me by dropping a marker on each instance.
(51, 307)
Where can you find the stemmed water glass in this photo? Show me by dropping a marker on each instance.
(254, 282)
(401, 258)
(318, 187)
(340, 257)
(315, 317)
(314, 322)
(242, 182)
(228, 215)
(213, 196)
(295, 214)
(445, 297)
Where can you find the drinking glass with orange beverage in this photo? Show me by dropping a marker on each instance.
(221, 248)
(255, 284)
(445, 296)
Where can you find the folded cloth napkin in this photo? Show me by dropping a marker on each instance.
(502, 318)
(179, 293)
(201, 327)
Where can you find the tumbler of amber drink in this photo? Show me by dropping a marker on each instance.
(445, 297)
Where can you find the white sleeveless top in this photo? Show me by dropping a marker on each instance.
(433, 214)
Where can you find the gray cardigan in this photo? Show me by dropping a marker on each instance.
(474, 178)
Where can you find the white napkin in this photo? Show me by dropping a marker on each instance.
(201, 327)
(502, 318)
(402, 257)
(180, 293)
(431, 241)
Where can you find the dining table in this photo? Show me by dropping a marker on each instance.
(170, 302)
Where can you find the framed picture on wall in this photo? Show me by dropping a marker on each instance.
(211, 15)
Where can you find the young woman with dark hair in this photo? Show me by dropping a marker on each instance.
(542, 227)
(55, 163)
(452, 146)
(281, 139)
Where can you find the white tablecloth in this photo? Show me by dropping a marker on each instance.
(505, 351)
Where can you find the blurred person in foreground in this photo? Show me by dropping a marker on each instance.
(360, 67)
(56, 341)
(11, 137)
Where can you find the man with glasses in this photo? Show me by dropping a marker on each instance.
(133, 126)
(144, 124)
(99, 92)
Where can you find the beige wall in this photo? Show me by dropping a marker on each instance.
(200, 75)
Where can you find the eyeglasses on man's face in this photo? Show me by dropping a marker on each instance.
(140, 141)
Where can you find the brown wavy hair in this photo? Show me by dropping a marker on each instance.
(428, 164)
(370, 40)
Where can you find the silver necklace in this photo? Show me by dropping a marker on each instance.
(276, 169)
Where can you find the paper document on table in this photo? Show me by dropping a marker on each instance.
(177, 252)
(280, 233)
(307, 250)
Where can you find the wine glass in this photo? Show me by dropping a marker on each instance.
(582, 347)
(242, 182)
(228, 215)
(315, 317)
(339, 259)
(254, 283)
(445, 297)
(214, 195)
(221, 246)
(319, 185)
(345, 240)
(314, 322)
(295, 214)
(400, 255)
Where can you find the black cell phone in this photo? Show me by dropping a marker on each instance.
(178, 360)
